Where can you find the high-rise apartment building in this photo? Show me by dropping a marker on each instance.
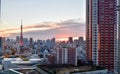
(118, 36)
(101, 32)
(66, 55)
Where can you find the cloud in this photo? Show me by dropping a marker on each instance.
(9, 30)
(40, 26)
(37, 26)
(59, 30)
(71, 22)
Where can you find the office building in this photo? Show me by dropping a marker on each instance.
(17, 39)
(70, 40)
(2, 42)
(31, 42)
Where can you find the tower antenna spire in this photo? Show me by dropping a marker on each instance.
(21, 34)
(21, 21)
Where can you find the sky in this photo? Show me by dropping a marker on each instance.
(43, 19)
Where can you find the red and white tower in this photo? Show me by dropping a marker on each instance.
(101, 32)
(21, 36)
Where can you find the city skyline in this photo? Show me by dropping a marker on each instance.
(43, 19)
(82, 35)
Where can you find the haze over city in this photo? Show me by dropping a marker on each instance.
(43, 19)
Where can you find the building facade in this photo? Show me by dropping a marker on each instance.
(0, 11)
(70, 40)
(101, 32)
(67, 56)
(2, 44)
(118, 36)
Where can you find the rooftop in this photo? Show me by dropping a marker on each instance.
(23, 71)
(61, 69)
